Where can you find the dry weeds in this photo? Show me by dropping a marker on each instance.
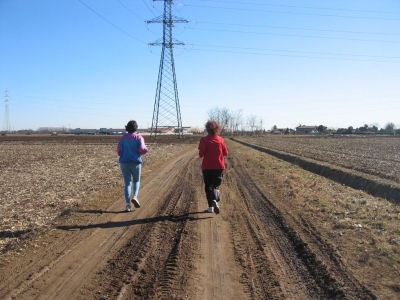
(40, 181)
(378, 156)
(364, 229)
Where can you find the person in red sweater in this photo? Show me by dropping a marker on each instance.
(212, 149)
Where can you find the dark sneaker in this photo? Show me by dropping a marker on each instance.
(216, 207)
(128, 208)
(135, 202)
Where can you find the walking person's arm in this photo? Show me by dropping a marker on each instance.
(224, 149)
(119, 147)
(202, 148)
(142, 146)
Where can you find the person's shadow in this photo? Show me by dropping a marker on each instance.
(14, 234)
(171, 218)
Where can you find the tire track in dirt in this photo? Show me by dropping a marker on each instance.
(318, 276)
(268, 274)
(373, 185)
(63, 268)
(170, 249)
(152, 263)
(168, 256)
(217, 273)
(52, 255)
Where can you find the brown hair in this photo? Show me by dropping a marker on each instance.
(213, 127)
(131, 127)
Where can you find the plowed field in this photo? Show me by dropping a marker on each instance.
(378, 156)
(283, 232)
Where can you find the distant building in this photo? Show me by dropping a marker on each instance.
(306, 129)
(277, 131)
(170, 130)
(83, 131)
(120, 131)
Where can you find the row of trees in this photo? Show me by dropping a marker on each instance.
(389, 128)
(41, 130)
(233, 122)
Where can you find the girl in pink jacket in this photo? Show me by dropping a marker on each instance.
(130, 148)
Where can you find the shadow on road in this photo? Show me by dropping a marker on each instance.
(172, 218)
(98, 211)
(14, 234)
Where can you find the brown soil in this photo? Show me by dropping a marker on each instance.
(317, 160)
(283, 233)
(378, 156)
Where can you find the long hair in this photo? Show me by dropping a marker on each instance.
(213, 127)
(131, 127)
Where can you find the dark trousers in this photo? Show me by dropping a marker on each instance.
(212, 181)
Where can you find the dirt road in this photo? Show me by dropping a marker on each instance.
(171, 249)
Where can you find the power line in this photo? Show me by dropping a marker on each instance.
(347, 100)
(111, 23)
(91, 104)
(303, 7)
(300, 56)
(379, 108)
(69, 101)
(333, 113)
(149, 8)
(294, 13)
(79, 111)
(298, 28)
(127, 8)
(296, 35)
(306, 52)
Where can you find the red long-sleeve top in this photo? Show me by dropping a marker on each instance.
(212, 149)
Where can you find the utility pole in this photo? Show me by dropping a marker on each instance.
(166, 113)
(7, 125)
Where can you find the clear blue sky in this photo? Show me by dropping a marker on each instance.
(87, 63)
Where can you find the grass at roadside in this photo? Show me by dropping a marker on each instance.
(363, 229)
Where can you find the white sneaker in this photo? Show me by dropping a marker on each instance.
(209, 210)
(135, 202)
(216, 207)
(128, 208)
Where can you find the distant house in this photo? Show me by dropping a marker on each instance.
(167, 130)
(162, 130)
(83, 131)
(306, 129)
(279, 130)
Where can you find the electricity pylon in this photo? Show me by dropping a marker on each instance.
(167, 112)
(6, 126)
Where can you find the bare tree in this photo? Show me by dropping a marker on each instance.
(232, 122)
(222, 116)
(237, 120)
(261, 125)
(213, 114)
(224, 119)
(252, 122)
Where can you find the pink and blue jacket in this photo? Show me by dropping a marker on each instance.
(130, 148)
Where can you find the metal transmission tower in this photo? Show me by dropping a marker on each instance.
(6, 126)
(167, 113)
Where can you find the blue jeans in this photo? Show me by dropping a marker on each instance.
(131, 170)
